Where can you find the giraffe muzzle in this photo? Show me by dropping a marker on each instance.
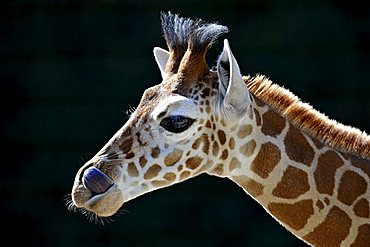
(96, 181)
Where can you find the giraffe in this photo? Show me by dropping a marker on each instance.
(307, 171)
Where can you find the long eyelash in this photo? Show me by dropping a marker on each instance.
(130, 110)
(108, 157)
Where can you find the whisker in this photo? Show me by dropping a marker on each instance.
(122, 211)
(69, 203)
(83, 159)
(130, 110)
(91, 216)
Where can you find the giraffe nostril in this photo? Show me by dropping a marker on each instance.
(96, 181)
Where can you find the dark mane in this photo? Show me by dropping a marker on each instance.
(176, 30)
(179, 32)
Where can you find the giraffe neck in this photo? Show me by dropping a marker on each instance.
(318, 193)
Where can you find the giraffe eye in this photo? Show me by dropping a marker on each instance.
(176, 123)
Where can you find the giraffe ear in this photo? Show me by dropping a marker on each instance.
(232, 88)
(161, 57)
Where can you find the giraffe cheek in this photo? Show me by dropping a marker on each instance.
(106, 204)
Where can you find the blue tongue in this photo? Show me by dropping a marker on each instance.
(96, 181)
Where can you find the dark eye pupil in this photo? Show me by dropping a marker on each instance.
(177, 123)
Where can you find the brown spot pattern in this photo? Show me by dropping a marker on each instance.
(126, 145)
(218, 169)
(205, 92)
(160, 183)
(259, 102)
(173, 157)
(317, 143)
(221, 136)
(170, 177)
(248, 148)
(267, 158)
(234, 164)
(258, 117)
(224, 154)
(297, 147)
(184, 175)
(232, 143)
(293, 184)
(203, 139)
(144, 187)
(250, 112)
(152, 172)
(351, 187)
(143, 161)
(272, 123)
(155, 152)
(244, 131)
(294, 215)
(138, 138)
(363, 236)
(193, 162)
(327, 201)
(324, 175)
(332, 231)
(251, 186)
(363, 164)
(361, 208)
(208, 124)
(215, 148)
(320, 205)
(208, 109)
(132, 170)
(130, 155)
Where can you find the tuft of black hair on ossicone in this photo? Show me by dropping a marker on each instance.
(184, 33)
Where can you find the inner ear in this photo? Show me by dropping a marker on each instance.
(223, 70)
(233, 92)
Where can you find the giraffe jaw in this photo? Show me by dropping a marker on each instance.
(103, 205)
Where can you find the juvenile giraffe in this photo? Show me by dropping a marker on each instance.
(310, 173)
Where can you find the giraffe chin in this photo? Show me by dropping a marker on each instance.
(103, 205)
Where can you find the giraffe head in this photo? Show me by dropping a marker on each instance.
(176, 131)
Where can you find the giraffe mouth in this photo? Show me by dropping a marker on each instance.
(96, 192)
(96, 181)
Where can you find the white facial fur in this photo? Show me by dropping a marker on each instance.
(172, 106)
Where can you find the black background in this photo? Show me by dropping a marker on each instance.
(69, 70)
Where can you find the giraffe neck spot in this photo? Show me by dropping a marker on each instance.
(293, 184)
(267, 158)
(294, 215)
(327, 165)
(297, 147)
(152, 172)
(363, 235)
(248, 148)
(361, 208)
(254, 188)
(332, 231)
(244, 131)
(351, 187)
(272, 123)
